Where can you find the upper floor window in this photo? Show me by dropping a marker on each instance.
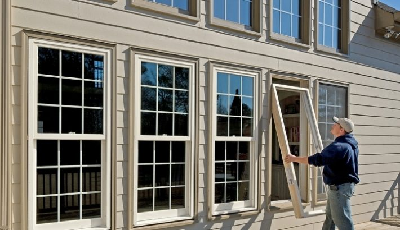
(239, 11)
(329, 23)
(181, 4)
(287, 17)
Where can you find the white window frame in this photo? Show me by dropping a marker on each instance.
(164, 216)
(98, 223)
(238, 206)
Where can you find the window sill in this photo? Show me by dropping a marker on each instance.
(234, 27)
(284, 206)
(159, 8)
(330, 50)
(288, 40)
(234, 214)
(163, 223)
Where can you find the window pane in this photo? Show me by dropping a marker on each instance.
(145, 176)
(165, 76)
(296, 27)
(245, 12)
(182, 101)
(337, 3)
(161, 199)
(247, 127)
(145, 152)
(276, 4)
(322, 130)
(336, 38)
(231, 192)
(235, 85)
(93, 93)
(164, 124)
(322, 113)
(181, 4)
(177, 174)
(91, 205)
(222, 126)
(244, 171)
(321, 10)
(286, 24)
(286, 5)
(247, 106)
(46, 153)
(148, 123)
(234, 126)
(231, 171)
(165, 2)
(145, 200)
(149, 73)
(244, 149)
(235, 106)
(46, 181)
(219, 193)
(48, 90)
(320, 34)
(219, 9)
(219, 172)
(177, 197)
(336, 17)
(94, 67)
(71, 92)
(46, 209)
(91, 179)
(148, 99)
(93, 121)
(69, 180)
(219, 151)
(222, 104)
(244, 190)
(71, 120)
(181, 125)
(331, 95)
(232, 10)
(162, 152)
(296, 10)
(165, 100)
(69, 207)
(48, 61)
(71, 64)
(70, 152)
(328, 36)
(91, 152)
(178, 151)
(48, 119)
(231, 150)
(222, 83)
(328, 14)
(277, 22)
(181, 78)
(247, 86)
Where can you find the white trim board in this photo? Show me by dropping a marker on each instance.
(284, 144)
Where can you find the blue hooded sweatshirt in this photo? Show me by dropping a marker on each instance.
(340, 161)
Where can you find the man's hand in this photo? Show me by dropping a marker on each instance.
(290, 158)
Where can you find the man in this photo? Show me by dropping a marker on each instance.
(340, 161)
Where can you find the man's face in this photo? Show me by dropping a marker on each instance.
(336, 130)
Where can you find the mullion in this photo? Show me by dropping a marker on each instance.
(154, 167)
(58, 182)
(82, 94)
(59, 92)
(170, 174)
(173, 103)
(80, 178)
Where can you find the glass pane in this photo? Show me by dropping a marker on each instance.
(161, 199)
(181, 4)
(219, 151)
(48, 90)
(247, 106)
(219, 193)
(286, 24)
(247, 86)
(145, 200)
(164, 124)
(46, 181)
(219, 172)
(71, 120)
(70, 152)
(296, 10)
(178, 151)
(328, 14)
(286, 5)
(177, 198)
(328, 36)
(321, 10)
(145, 176)
(91, 179)
(245, 12)
(235, 84)
(71, 64)
(243, 191)
(336, 38)
(165, 2)
(181, 101)
(337, 3)
(331, 113)
(181, 78)
(46, 208)
(93, 93)
(296, 27)
(177, 174)
(91, 205)
(322, 130)
(181, 125)
(320, 34)
(46, 153)
(145, 152)
(322, 113)
(164, 100)
(69, 208)
(247, 127)
(244, 171)
(231, 171)
(162, 152)
(48, 118)
(322, 94)
(94, 67)
(48, 61)
(148, 98)
(234, 126)
(331, 95)
(222, 126)
(232, 10)
(93, 121)
(336, 17)
(219, 9)
(244, 149)
(69, 180)
(165, 76)
(341, 95)
(222, 83)
(231, 150)
(71, 92)
(231, 192)
(329, 1)
(222, 104)
(276, 4)
(149, 73)
(91, 152)
(235, 105)
(148, 123)
(277, 22)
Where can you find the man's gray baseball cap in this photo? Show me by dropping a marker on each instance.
(346, 124)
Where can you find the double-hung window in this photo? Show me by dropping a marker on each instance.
(234, 144)
(332, 101)
(69, 136)
(163, 140)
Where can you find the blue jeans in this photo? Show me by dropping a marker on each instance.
(338, 212)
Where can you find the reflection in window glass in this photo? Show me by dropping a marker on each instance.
(238, 11)
(181, 4)
(329, 23)
(287, 17)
